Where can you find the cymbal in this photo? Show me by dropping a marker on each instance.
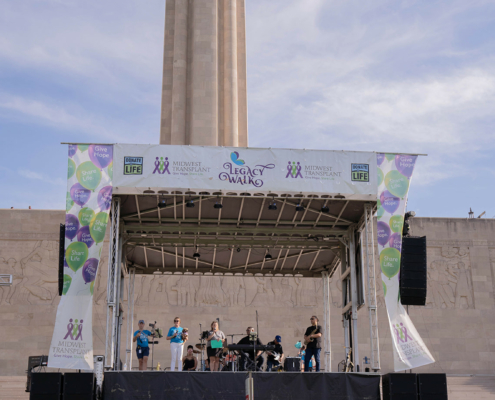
(200, 346)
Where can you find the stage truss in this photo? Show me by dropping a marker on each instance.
(159, 233)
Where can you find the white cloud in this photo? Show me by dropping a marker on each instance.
(41, 177)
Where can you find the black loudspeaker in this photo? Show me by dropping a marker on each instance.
(432, 387)
(413, 275)
(61, 256)
(33, 363)
(79, 386)
(400, 386)
(46, 386)
(292, 364)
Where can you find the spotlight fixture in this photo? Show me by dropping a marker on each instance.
(196, 255)
(325, 208)
(273, 205)
(217, 204)
(190, 203)
(162, 203)
(299, 207)
(268, 257)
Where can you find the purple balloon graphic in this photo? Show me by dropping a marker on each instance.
(72, 150)
(395, 241)
(379, 158)
(390, 203)
(105, 198)
(100, 155)
(65, 263)
(405, 164)
(382, 232)
(79, 194)
(71, 226)
(83, 235)
(89, 270)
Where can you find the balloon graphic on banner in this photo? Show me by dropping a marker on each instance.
(76, 255)
(105, 198)
(379, 176)
(98, 226)
(84, 236)
(405, 164)
(83, 147)
(100, 155)
(79, 194)
(396, 223)
(85, 216)
(92, 287)
(396, 183)
(382, 232)
(390, 203)
(71, 226)
(72, 150)
(395, 241)
(68, 202)
(390, 262)
(71, 169)
(389, 156)
(89, 270)
(110, 171)
(379, 158)
(384, 289)
(88, 175)
(65, 263)
(67, 282)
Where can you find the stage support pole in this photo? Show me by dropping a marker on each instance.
(354, 297)
(327, 343)
(345, 296)
(130, 318)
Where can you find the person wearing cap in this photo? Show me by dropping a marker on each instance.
(143, 348)
(176, 344)
(275, 358)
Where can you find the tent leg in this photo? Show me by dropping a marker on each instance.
(130, 317)
(327, 343)
(354, 297)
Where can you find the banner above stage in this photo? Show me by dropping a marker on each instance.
(240, 170)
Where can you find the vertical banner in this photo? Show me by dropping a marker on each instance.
(393, 179)
(88, 201)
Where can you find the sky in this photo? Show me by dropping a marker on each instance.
(386, 75)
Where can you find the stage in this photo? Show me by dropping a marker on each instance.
(231, 385)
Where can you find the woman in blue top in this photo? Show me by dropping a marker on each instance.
(143, 348)
(176, 344)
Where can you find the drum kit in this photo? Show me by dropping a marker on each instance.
(228, 359)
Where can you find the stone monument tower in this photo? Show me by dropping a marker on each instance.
(204, 98)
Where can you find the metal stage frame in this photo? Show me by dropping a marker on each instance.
(308, 235)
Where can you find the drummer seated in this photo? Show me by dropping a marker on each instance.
(189, 362)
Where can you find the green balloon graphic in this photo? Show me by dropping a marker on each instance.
(76, 255)
(92, 287)
(68, 202)
(379, 176)
(390, 262)
(71, 169)
(67, 282)
(98, 226)
(85, 216)
(379, 209)
(88, 175)
(83, 147)
(397, 184)
(396, 223)
(110, 170)
(389, 156)
(384, 289)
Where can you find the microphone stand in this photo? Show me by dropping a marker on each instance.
(153, 346)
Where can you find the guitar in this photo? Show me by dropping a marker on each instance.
(349, 366)
(276, 356)
(306, 341)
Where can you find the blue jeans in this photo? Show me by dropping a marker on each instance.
(271, 363)
(310, 352)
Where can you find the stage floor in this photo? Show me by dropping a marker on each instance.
(231, 385)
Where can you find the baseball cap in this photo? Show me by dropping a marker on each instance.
(278, 338)
(141, 321)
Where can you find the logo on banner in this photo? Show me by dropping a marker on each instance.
(161, 166)
(401, 333)
(360, 172)
(133, 165)
(293, 170)
(237, 172)
(74, 330)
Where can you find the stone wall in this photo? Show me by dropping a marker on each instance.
(456, 324)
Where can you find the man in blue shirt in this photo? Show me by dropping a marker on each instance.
(143, 349)
(176, 344)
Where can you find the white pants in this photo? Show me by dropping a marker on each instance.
(176, 349)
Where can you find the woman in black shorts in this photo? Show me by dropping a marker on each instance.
(214, 354)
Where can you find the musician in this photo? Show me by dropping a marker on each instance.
(176, 344)
(271, 361)
(312, 339)
(189, 362)
(214, 354)
(250, 353)
(143, 348)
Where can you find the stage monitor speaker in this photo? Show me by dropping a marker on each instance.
(413, 277)
(400, 386)
(46, 386)
(79, 386)
(61, 257)
(432, 386)
(292, 364)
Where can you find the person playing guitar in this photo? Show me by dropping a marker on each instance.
(312, 340)
(276, 357)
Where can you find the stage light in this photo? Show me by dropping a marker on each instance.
(299, 207)
(406, 229)
(162, 203)
(268, 257)
(196, 254)
(217, 204)
(325, 208)
(273, 205)
(190, 203)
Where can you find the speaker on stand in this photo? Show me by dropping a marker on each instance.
(413, 271)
